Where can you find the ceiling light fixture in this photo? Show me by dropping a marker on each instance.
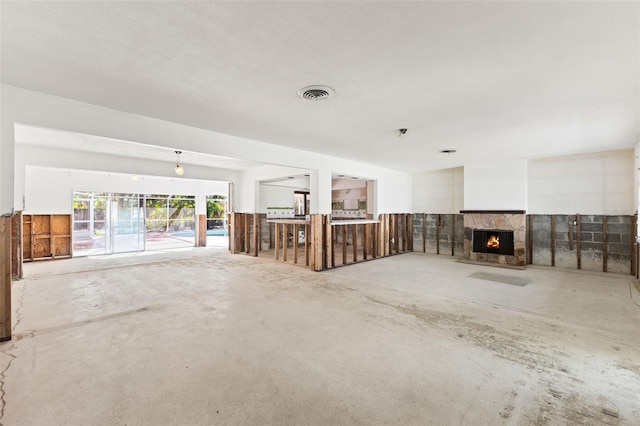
(401, 132)
(179, 170)
(448, 151)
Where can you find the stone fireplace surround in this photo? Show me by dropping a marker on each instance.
(511, 220)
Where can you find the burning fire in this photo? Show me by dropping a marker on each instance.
(493, 242)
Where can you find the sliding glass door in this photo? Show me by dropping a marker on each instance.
(126, 224)
(105, 223)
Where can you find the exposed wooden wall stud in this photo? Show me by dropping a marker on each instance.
(553, 240)
(5, 278)
(424, 232)
(438, 221)
(578, 241)
(453, 234)
(604, 243)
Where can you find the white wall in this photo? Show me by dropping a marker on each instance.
(50, 191)
(275, 196)
(440, 191)
(496, 186)
(600, 183)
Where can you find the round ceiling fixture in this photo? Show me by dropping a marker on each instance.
(316, 93)
(448, 151)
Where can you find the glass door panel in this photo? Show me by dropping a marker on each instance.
(89, 223)
(127, 232)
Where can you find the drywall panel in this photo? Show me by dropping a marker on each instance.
(440, 191)
(597, 183)
(496, 185)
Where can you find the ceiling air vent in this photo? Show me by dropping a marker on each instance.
(316, 93)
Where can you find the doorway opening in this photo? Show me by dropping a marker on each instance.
(109, 223)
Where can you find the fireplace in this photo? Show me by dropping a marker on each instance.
(496, 241)
(495, 236)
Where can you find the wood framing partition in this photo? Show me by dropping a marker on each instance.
(5, 278)
(46, 236)
(16, 245)
(321, 243)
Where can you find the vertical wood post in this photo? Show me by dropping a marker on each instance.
(285, 241)
(277, 240)
(438, 221)
(344, 244)
(529, 240)
(247, 239)
(366, 240)
(256, 234)
(578, 241)
(570, 232)
(396, 233)
(553, 240)
(271, 227)
(374, 240)
(16, 245)
(295, 243)
(604, 243)
(384, 235)
(634, 246)
(5, 278)
(333, 245)
(410, 232)
(328, 243)
(390, 234)
(453, 234)
(238, 222)
(307, 243)
(424, 232)
(317, 249)
(354, 241)
(405, 236)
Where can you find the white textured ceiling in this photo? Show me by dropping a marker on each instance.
(490, 79)
(30, 135)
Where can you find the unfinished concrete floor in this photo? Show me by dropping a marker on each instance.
(205, 337)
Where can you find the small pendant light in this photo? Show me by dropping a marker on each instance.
(179, 169)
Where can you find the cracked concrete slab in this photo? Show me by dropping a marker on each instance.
(205, 337)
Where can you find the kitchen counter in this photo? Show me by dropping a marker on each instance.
(353, 221)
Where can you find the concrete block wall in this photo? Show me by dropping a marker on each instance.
(438, 231)
(584, 249)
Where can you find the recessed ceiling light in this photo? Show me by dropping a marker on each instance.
(316, 93)
(340, 175)
(291, 177)
(448, 151)
(355, 178)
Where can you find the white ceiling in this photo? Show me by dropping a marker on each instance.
(490, 79)
(30, 135)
